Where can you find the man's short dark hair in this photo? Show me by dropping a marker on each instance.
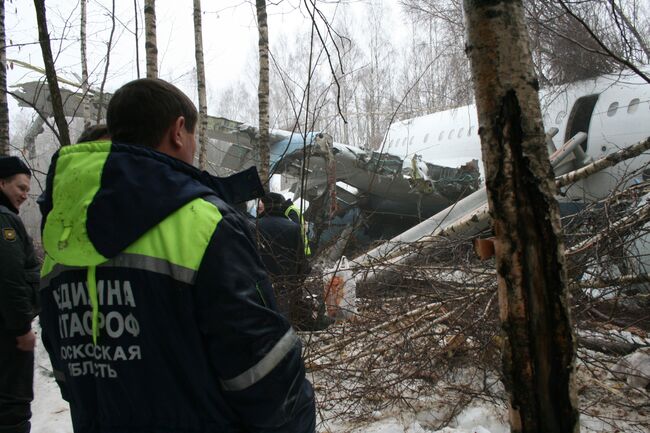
(94, 133)
(141, 111)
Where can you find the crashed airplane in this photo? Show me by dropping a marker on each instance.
(431, 165)
(425, 164)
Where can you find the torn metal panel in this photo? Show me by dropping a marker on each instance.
(36, 95)
(382, 176)
(382, 186)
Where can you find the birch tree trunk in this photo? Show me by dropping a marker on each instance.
(200, 84)
(263, 92)
(539, 346)
(109, 47)
(50, 74)
(4, 108)
(84, 66)
(150, 45)
(137, 41)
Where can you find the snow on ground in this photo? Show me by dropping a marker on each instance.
(474, 419)
(51, 414)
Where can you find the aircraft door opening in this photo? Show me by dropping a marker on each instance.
(580, 118)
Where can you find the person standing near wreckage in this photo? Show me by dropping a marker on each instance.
(283, 255)
(18, 300)
(157, 312)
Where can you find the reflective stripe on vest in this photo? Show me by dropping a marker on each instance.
(257, 372)
(175, 247)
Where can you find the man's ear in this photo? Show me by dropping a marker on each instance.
(176, 132)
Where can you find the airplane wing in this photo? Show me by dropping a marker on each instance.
(36, 95)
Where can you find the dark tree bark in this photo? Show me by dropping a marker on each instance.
(4, 108)
(539, 345)
(263, 92)
(50, 73)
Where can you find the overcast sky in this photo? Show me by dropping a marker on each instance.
(229, 38)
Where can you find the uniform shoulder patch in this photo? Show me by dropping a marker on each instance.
(9, 234)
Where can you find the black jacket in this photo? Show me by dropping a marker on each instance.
(18, 273)
(282, 248)
(141, 254)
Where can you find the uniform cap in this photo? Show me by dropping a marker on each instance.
(10, 165)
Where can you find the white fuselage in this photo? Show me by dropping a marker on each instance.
(614, 111)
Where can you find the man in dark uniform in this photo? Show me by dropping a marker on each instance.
(157, 312)
(283, 253)
(18, 283)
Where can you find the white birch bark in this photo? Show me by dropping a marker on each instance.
(4, 108)
(539, 346)
(150, 44)
(200, 84)
(263, 92)
(84, 66)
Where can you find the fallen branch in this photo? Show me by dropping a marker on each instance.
(608, 161)
(385, 325)
(640, 215)
(602, 283)
(606, 345)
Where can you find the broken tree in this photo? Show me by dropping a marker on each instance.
(539, 347)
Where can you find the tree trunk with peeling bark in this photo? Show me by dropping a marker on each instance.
(150, 44)
(4, 108)
(50, 74)
(137, 39)
(84, 66)
(200, 84)
(263, 92)
(539, 345)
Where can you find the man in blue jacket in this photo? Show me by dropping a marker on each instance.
(156, 310)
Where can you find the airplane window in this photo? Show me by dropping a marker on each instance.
(559, 117)
(460, 132)
(426, 137)
(404, 141)
(451, 134)
(611, 111)
(634, 104)
(411, 141)
(442, 133)
(469, 131)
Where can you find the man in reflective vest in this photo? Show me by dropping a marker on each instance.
(157, 312)
(283, 254)
(293, 213)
